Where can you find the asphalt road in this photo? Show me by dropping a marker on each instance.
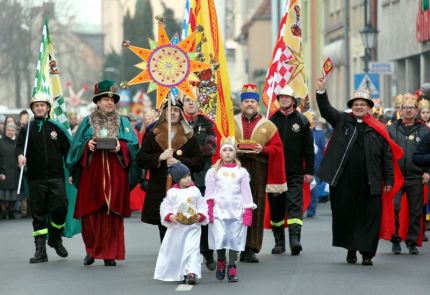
(320, 269)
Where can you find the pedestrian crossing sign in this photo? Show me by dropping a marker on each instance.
(368, 81)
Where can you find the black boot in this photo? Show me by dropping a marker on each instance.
(55, 241)
(88, 260)
(250, 256)
(59, 248)
(40, 254)
(209, 261)
(279, 234)
(294, 235)
(109, 262)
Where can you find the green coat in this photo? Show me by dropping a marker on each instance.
(85, 133)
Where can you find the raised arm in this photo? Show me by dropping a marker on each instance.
(327, 111)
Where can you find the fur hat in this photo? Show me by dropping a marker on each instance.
(178, 171)
(249, 91)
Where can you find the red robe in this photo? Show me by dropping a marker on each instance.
(103, 201)
(104, 182)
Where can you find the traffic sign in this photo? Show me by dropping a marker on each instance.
(368, 81)
(384, 68)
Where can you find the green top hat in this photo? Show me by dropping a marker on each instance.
(105, 88)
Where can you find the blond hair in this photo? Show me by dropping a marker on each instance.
(219, 163)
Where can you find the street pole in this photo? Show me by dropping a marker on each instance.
(346, 41)
(366, 49)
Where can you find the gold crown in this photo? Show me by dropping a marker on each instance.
(250, 88)
(361, 93)
(398, 100)
(230, 140)
(409, 98)
(423, 104)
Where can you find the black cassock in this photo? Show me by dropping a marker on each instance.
(356, 213)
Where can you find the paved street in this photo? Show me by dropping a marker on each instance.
(321, 269)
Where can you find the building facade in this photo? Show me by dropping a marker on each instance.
(404, 40)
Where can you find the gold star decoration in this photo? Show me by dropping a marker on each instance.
(168, 65)
(297, 62)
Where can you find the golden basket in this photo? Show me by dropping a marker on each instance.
(186, 214)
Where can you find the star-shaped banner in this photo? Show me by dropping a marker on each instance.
(169, 65)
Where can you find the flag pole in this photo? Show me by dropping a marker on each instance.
(21, 173)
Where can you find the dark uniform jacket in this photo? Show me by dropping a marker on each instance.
(421, 155)
(298, 141)
(378, 155)
(408, 139)
(47, 147)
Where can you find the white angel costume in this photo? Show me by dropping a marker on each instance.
(179, 253)
(230, 189)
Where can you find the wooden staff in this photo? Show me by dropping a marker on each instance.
(169, 134)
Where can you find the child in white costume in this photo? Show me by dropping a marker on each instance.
(230, 206)
(182, 211)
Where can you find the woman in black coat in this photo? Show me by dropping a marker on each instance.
(9, 172)
(155, 156)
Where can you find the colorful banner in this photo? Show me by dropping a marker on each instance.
(287, 67)
(214, 86)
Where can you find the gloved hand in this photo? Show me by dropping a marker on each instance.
(211, 204)
(247, 217)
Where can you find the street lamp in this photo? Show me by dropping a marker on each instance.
(369, 37)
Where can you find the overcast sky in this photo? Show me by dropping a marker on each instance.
(84, 11)
(87, 11)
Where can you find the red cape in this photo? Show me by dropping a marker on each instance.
(387, 218)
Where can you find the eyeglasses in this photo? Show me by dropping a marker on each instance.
(408, 108)
(357, 105)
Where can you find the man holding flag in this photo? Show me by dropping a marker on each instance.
(296, 134)
(284, 86)
(47, 146)
(43, 145)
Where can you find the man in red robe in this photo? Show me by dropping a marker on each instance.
(261, 152)
(101, 173)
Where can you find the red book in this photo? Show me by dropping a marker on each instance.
(327, 66)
